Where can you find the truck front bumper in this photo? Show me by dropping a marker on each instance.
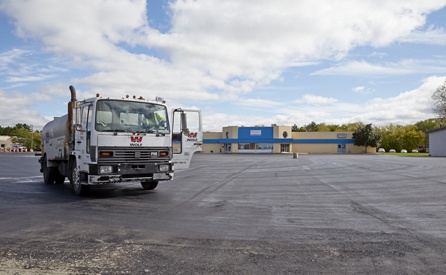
(128, 172)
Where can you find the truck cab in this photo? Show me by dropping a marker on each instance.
(113, 140)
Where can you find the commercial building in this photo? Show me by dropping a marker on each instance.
(5, 143)
(279, 139)
(437, 141)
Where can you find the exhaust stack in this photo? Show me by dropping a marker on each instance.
(71, 122)
(73, 93)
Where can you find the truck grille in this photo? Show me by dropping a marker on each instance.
(132, 155)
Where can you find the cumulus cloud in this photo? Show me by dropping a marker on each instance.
(210, 42)
(18, 108)
(362, 90)
(214, 51)
(407, 107)
(403, 67)
(316, 100)
(434, 36)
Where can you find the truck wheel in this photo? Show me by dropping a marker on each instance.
(48, 172)
(149, 185)
(75, 180)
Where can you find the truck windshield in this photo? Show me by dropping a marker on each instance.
(129, 116)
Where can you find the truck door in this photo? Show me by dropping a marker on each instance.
(83, 137)
(187, 136)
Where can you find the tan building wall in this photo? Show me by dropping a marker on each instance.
(5, 143)
(282, 132)
(327, 148)
(212, 148)
(230, 132)
(289, 138)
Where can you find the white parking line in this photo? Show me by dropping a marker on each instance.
(19, 178)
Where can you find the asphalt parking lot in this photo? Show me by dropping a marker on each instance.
(233, 214)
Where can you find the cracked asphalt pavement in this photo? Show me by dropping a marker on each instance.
(232, 214)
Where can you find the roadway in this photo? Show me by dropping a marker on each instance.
(232, 214)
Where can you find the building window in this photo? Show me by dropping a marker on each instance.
(255, 147)
(285, 134)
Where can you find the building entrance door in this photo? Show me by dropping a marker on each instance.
(341, 149)
(227, 148)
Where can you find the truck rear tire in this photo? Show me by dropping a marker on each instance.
(75, 180)
(51, 175)
(149, 185)
(48, 172)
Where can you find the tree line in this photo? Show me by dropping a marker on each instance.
(22, 134)
(410, 137)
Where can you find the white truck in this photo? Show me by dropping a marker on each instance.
(105, 140)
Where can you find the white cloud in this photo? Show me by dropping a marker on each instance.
(17, 108)
(210, 42)
(215, 50)
(364, 68)
(433, 36)
(403, 67)
(316, 100)
(257, 103)
(362, 90)
(407, 107)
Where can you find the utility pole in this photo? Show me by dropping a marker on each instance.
(32, 137)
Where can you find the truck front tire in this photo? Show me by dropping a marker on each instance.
(149, 185)
(75, 180)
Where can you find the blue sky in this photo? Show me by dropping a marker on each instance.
(276, 62)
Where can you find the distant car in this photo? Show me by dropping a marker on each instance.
(403, 151)
(392, 151)
(381, 150)
(17, 148)
(414, 151)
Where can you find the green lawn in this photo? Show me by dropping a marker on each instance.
(407, 154)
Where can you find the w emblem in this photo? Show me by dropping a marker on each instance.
(135, 139)
(192, 135)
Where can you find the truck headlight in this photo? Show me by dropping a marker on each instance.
(164, 168)
(105, 169)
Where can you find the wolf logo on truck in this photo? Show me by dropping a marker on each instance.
(136, 141)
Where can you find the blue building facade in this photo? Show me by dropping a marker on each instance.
(278, 139)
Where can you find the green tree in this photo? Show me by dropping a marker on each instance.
(411, 137)
(322, 127)
(351, 127)
(22, 134)
(439, 101)
(366, 136)
(390, 137)
(311, 127)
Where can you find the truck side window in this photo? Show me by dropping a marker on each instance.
(89, 116)
(86, 124)
(84, 117)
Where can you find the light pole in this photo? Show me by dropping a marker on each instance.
(32, 138)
